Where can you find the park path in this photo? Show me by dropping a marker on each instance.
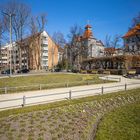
(51, 95)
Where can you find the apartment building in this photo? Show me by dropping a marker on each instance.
(8, 53)
(4, 57)
(35, 52)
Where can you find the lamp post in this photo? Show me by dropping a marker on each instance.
(10, 15)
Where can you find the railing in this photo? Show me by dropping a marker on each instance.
(6, 90)
(70, 94)
(110, 78)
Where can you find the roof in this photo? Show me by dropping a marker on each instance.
(88, 32)
(88, 26)
(134, 31)
(100, 42)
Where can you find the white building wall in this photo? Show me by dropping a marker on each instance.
(95, 48)
(44, 50)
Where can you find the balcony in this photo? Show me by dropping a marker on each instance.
(45, 48)
(44, 54)
(44, 58)
(4, 57)
(45, 42)
(4, 62)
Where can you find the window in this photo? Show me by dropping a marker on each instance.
(24, 61)
(44, 38)
(133, 39)
(45, 51)
(44, 45)
(44, 62)
(133, 48)
(45, 57)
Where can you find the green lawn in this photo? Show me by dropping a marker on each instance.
(121, 124)
(73, 119)
(47, 81)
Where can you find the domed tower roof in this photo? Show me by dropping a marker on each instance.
(88, 32)
(87, 26)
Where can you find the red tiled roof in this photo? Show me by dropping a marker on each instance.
(132, 32)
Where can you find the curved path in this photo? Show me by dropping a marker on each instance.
(51, 95)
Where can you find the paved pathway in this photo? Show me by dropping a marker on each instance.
(51, 95)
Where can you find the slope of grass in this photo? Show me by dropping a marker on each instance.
(6, 113)
(121, 124)
(72, 119)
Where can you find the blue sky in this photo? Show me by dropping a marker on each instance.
(106, 16)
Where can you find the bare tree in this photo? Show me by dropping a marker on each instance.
(135, 21)
(112, 41)
(115, 43)
(20, 21)
(59, 39)
(108, 41)
(74, 48)
(37, 25)
(75, 31)
(21, 18)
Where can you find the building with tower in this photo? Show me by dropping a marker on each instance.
(83, 47)
(95, 47)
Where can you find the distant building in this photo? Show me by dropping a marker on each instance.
(95, 47)
(5, 56)
(132, 40)
(83, 47)
(111, 51)
(35, 52)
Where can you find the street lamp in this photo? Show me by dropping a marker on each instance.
(10, 15)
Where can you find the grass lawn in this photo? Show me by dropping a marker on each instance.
(121, 124)
(72, 119)
(47, 81)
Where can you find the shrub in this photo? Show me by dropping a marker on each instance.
(106, 72)
(83, 71)
(94, 72)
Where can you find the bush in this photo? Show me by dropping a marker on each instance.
(117, 71)
(106, 72)
(83, 71)
(94, 72)
(100, 71)
(131, 72)
(89, 71)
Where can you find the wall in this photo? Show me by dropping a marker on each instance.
(52, 53)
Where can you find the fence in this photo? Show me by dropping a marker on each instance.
(110, 78)
(6, 90)
(71, 94)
